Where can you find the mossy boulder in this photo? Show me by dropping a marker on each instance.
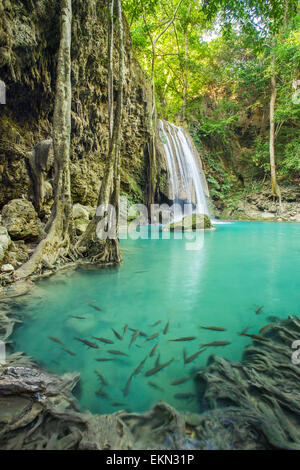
(80, 212)
(191, 222)
(21, 220)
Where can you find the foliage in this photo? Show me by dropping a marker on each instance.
(218, 57)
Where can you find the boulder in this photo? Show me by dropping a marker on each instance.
(7, 268)
(191, 222)
(17, 254)
(81, 212)
(21, 220)
(80, 226)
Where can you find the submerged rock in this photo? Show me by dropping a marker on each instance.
(21, 220)
(191, 222)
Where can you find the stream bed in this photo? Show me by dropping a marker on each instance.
(242, 268)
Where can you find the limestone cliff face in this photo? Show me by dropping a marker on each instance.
(29, 39)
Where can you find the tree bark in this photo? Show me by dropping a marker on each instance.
(59, 229)
(92, 247)
(274, 184)
(185, 86)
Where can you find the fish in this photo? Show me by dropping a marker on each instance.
(158, 368)
(187, 338)
(127, 386)
(125, 329)
(77, 316)
(88, 343)
(184, 396)
(193, 356)
(56, 340)
(95, 307)
(57, 363)
(166, 328)
(152, 337)
(134, 336)
(140, 332)
(103, 380)
(117, 334)
(154, 385)
(118, 353)
(213, 328)
(259, 310)
(153, 350)
(139, 272)
(104, 340)
(117, 403)
(215, 343)
(157, 360)
(259, 338)
(102, 394)
(139, 367)
(104, 359)
(245, 330)
(88, 301)
(156, 323)
(69, 352)
(180, 381)
(265, 328)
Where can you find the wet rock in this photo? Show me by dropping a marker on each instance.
(21, 220)
(191, 222)
(253, 404)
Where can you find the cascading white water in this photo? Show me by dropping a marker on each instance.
(187, 181)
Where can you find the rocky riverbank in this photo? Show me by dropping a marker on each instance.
(258, 204)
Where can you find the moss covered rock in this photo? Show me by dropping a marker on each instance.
(81, 225)
(21, 220)
(191, 222)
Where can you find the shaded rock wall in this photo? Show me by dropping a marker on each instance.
(29, 39)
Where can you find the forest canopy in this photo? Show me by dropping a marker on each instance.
(213, 70)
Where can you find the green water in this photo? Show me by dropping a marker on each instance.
(242, 266)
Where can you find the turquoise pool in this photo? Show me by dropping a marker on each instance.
(241, 267)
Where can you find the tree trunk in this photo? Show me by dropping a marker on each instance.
(185, 86)
(59, 229)
(110, 67)
(152, 147)
(92, 245)
(275, 187)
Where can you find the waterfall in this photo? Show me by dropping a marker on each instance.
(186, 178)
